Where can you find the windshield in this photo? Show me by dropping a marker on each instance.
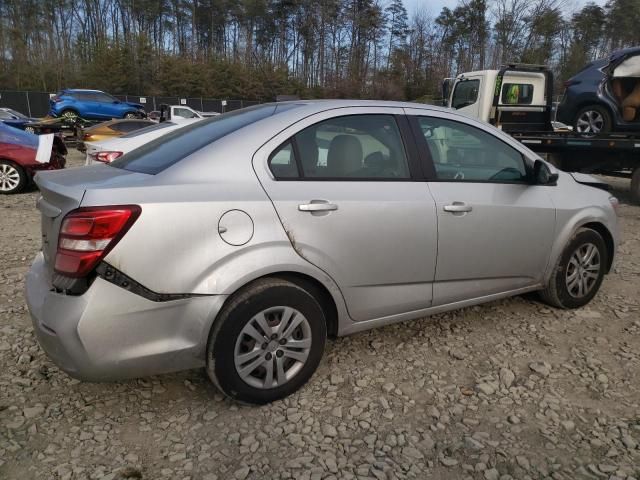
(15, 113)
(182, 142)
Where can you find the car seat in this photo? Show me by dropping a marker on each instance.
(631, 103)
(344, 157)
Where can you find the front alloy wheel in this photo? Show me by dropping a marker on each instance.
(583, 270)
(12, 178)
(579, 271)
(267, 341)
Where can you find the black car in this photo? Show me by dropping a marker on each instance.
(605, 95)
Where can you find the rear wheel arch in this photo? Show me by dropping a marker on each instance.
(316, 288)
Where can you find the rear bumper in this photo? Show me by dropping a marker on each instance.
(109, 333)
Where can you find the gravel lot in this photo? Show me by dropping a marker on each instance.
(512, 389)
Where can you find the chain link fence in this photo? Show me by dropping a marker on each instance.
(36, 104)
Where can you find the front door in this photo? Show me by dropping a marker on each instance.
(495, 229)
(344, 189)
(465, 96)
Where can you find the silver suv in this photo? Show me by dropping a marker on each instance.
(239, 243)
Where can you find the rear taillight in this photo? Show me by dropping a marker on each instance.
(88, 234)
(106, 157)
(56, 99)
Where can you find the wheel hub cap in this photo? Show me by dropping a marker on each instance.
(590, 122)
(272, 347)
(9, 178)
(583, 270)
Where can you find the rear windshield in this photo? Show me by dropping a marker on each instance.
(151, 128)
(159, 154)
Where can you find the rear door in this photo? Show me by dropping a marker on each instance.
(495, 229)
(344, 184)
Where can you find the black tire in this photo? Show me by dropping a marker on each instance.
(9, 174)
(635, 185)
(261, 295)
(557, 292)
(604, 126)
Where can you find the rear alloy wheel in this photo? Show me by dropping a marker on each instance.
(579, 273)
(130, 115)
(592, 120)
(29, 129)
(267, 342)
(13, 178)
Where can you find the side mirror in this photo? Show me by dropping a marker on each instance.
(542, 175)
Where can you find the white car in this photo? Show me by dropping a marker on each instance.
(108, 150)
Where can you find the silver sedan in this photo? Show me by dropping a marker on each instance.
(241, 242)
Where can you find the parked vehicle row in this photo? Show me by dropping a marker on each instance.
(275, 226)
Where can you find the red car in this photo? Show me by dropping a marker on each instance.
(18, 162)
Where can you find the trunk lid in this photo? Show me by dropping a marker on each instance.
(62, 191)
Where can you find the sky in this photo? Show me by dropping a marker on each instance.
(435, 6)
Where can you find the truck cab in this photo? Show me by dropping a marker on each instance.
(515, 98)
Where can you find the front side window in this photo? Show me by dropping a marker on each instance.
(517, 94)
(464, 153)
(351, 147)
(465, 93)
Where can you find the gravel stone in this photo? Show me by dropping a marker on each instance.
(508, 390)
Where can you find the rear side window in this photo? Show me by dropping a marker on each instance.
(465, 93)
(159, 154)
(517, 94)
(354, 147)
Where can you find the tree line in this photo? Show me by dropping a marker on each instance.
(257, 49)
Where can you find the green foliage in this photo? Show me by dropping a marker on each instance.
(258, 49)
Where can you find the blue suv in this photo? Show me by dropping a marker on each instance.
(92, 105)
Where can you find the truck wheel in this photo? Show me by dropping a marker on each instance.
(635, 185)
(592, 120)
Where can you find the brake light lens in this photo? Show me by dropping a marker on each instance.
(56, 99)
(106, 157)
(88, 234)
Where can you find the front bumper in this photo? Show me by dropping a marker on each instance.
(109, 333)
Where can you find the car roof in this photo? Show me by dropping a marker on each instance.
(73, 90)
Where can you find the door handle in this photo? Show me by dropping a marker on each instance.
(457, 207)
(317, 207)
